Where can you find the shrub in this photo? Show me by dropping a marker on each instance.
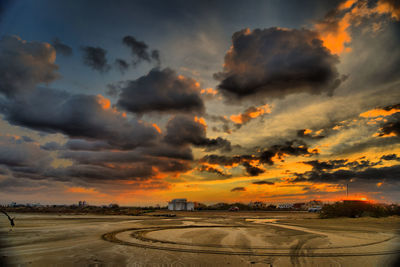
(354, 209)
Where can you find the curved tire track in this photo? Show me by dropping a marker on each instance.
(111, 237)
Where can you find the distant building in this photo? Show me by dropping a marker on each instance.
(33, 205)
(285, 206)
(315, 209)
(257, 205)
(180, 204)
(313, 203)
(82, 203)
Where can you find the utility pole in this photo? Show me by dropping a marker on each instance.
(347, 191)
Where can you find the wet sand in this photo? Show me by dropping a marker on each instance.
(199, 238)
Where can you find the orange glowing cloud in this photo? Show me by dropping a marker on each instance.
(156, 127)
(383, 135)
(379, 112)
(103, 102)
(201, 120)
(347, 4)
(334, 29)
(335, 37)
(209, 91)
(388, 7)
(307, 131)
(250, 113)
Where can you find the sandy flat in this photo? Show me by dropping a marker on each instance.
(199, 238)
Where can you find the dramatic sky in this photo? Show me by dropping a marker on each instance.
(139, 102)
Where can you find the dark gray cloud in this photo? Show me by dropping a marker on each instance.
(61, 48)
(390, 107)
(275, 62)
(121, 65)
(155, 55)
(252, 170)
(391, 128)
(106, 145)
(238, 189)
(327, 165)
(226, 124)
(78, 116)
(293, 147)
(29, 161)
(27, 139)
(140, 50)
(390, 157)
(391, 173)
(51, 146)
(126, 164)
(113, 89)
(331, 171)
(95, 57)
(22, 157)
(205, 168)
(336, 164)
(183, 130)
(161, 91)
(266, 156)
(23, 65)
(79, 144)
(263, 183)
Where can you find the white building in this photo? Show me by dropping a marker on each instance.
(285, 206)
(180, 204)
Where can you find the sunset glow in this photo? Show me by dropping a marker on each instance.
(231, 102)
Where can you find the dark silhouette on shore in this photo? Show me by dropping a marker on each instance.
(9, 218)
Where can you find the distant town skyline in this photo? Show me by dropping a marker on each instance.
(142, 102)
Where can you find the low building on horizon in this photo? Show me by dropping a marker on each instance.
(299, 206)
(180, 204)
(285, 206)
(82, 203)
(257, 205)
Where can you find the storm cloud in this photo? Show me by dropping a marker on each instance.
(263, 183)
(342, 170)
(391, 173)
(267, 156)
(391, 128)
(184, 130)
(206, 168)
(95, 57)
(78, 116)
(61, 48)
(238, 189)
(275, 62)
(23, 65)
(161, 91)
(121, 65)
(140, 50)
